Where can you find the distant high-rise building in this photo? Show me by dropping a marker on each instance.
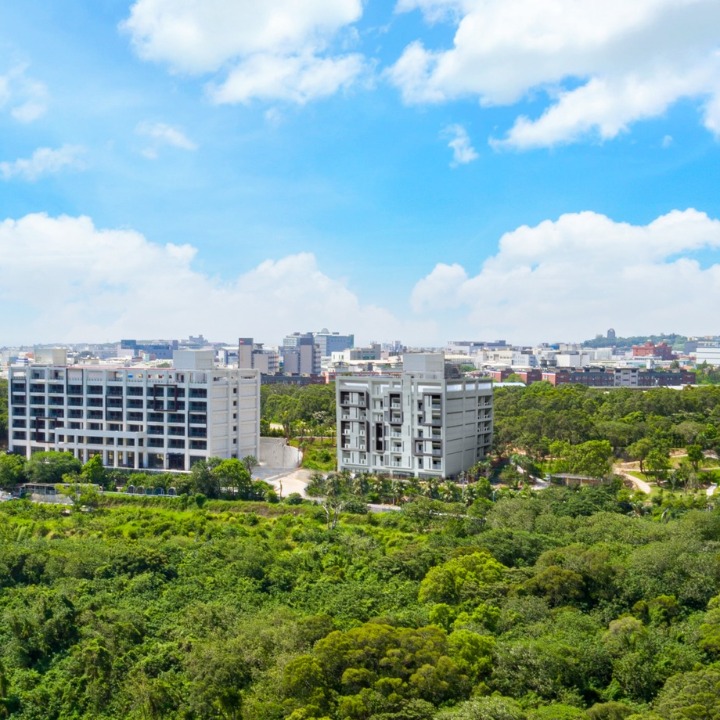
(252, 355)
(245, 352)
(330, 342)
(611, 334)
(300, 355)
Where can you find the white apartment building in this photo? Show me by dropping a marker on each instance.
(136, 417)
(708, 352)
(417, 424)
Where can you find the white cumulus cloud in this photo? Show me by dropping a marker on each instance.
(63, 279)
(276, 49)
(44, 161)
(601, 64)
(163, 134)
(22, 96)
(460, 144)
(563, 279)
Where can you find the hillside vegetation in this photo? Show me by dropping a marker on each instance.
(562, 604)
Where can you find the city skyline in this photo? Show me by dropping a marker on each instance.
(422, 169)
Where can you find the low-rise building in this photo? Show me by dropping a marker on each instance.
(632, 377)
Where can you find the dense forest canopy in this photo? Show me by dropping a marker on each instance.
(560, 604)
(535, 416)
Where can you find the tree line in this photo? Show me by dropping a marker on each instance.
(563, 604)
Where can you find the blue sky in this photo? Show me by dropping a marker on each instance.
(424, 170)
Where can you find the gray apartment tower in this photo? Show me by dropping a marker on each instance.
(416, 424)
(300, 355)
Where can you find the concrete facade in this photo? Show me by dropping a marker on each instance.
(136, 417)
(416, 424)
(300, 355)
(330, 342)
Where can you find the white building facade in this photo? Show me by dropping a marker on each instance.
(416, 424)
(136, 417)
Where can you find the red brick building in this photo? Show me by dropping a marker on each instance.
(661, 350)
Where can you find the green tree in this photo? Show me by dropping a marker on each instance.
(691, 695)
(657, 463)
(232, 474)
(93, 471)
(51, 467)
(639, 451)
(12, 470)
(250, 462)
(460, 577)
(695, 456)
(203, 480)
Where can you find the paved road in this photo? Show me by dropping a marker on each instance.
(289, 481)
(624, 468)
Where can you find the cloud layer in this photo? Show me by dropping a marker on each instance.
(160, 134)
(562, 279)
(24, 97)
(460, 144)
(64, 280)
(274, 50)
(603, 64)
(44, 161)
